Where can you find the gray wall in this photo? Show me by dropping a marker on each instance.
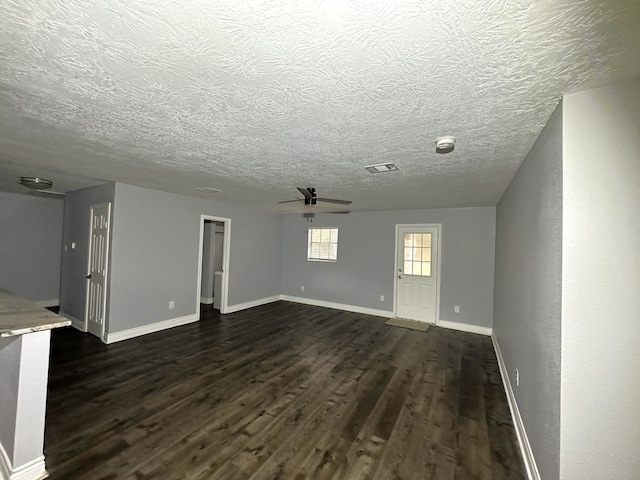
(10, 355)
(366, 253)
(31, 246)
(77, 211)
(528, 289)
(207, 260)
(155, 255)
(601, 284)
(24, 367)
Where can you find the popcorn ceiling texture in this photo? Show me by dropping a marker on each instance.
(272, 94)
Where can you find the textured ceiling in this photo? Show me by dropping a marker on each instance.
(257, 97)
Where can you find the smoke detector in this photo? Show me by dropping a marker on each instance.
(445, 144)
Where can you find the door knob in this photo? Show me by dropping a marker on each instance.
(89, 276)
(399, 276)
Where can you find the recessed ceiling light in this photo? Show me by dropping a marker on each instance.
(445, 144)
(382, 168)
(208, 190)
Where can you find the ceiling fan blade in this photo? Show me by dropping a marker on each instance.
(305, 192)
(291, 201)
(334, 200)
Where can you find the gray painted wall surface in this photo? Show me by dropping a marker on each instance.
(528, 289)
(207, 260)
(24, 367)
(155, 255)
(31, 245)
(601, 285)
(366, 255)
(10, 354)
(77, 211)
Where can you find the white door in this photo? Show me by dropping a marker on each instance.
(97, 270)
(417, 273)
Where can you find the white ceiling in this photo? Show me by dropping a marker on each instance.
(257, 97)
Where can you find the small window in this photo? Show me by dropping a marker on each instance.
(323, 244)
(417, 254)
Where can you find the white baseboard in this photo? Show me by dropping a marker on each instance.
(151, 328)
(521, 433)
(339, 306)
(465, 327)
(75, 323)
(48, 303)
(253, 303)
(33, 470)
(206, 300)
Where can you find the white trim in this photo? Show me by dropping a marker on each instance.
(465, 327)
(48, 303)
(75, 323)
(151, 328)
(438, 226)
(521, 433)
(253, 303)
(33, 470)
(339, 306)
(206, 300)
(226, 247)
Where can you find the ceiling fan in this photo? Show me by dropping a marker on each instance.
(311, 199)
(39, 185)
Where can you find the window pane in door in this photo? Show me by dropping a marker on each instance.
(408, 268)
(417, 268)
(426, 269)
(408, 239)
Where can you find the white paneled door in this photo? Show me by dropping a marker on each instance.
(97, 270)
(417, 273)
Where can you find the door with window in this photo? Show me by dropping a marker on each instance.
(417, 272)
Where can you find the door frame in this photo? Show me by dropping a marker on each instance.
(107, 270)
(226, 247)
(438, 226)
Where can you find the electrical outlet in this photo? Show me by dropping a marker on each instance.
(382, 298)
(456, 309)
(517, 377)
(172, 304)
(302, 288)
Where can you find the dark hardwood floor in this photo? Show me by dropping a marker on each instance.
(283, 391)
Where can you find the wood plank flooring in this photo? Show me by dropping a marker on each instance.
(282, 391)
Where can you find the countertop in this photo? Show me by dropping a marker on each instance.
(19, 316)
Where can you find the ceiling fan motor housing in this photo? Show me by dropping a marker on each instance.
(312, 199)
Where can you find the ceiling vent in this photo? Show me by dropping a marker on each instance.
(208, 190)
(382, 168)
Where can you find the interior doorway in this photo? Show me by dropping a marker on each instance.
(213, 262)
